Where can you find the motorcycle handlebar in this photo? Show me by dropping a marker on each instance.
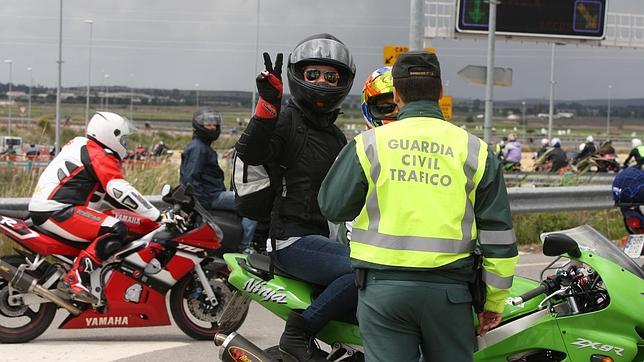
(542, 288)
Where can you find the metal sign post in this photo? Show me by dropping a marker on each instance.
(551, 109)
(489, 87)
(60, 71)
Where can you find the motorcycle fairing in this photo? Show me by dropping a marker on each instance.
(201, 237)
(149, 311)
(34, 241)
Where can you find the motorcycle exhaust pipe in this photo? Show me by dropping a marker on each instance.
(28, 284)
(235, 348)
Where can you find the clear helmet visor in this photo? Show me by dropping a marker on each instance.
(131, 127)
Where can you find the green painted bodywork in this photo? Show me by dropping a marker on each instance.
(612, 329)
(297, 296)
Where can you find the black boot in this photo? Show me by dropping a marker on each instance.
(296, 344)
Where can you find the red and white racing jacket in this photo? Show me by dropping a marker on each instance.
(82, 169)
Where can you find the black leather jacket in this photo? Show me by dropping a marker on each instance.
(274, 143)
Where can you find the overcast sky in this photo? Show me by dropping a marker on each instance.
(175, 44)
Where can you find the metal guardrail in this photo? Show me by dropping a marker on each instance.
(553, 199)
(522, 200)
(555, 179)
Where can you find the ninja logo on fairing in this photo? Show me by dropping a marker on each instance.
(267, 293)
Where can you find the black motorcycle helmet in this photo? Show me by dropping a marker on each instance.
(324, 49)
(206, 115)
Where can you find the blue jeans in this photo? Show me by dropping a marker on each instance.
(225, 200)
(317, 259)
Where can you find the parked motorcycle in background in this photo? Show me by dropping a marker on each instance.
(598, 163)
(628, 193)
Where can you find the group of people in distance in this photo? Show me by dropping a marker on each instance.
(551, 153)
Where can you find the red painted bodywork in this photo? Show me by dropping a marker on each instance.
(202, 237)
(45, 245)
(179, 266)
(34, 241)
(150, 311)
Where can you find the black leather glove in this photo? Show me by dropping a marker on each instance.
(269, 87)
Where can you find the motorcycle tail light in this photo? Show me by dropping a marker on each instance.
(600, 358)
(634, 222)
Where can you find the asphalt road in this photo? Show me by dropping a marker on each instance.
(167, 343)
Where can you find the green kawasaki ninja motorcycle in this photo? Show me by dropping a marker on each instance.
(589, 309)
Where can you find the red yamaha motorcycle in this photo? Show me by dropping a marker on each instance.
(181, 256)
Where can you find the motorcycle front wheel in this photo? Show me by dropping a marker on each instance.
(194, 315)
(22, 323)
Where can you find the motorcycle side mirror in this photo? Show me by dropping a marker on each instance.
(165, 190)
(557, 244)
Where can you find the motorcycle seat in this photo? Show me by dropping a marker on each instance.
(230, 224)
(16, 214)
(262, 265)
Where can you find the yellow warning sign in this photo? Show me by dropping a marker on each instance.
(391, 53)
(446, 106)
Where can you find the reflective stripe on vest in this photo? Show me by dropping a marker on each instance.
(453, 155)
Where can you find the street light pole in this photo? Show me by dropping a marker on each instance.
(416, 28)
(31, 84)
(89, 70)
(523, 118)
(252, 110)
(131, 98)
(10, 62)
(610, 87)
(551, 109)
(107, 92)
(197, 86)
(489, 87)
(60, 71)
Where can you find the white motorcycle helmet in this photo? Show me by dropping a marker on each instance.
(590, 139)
(636, 142)
(110, 129)
(545, 142)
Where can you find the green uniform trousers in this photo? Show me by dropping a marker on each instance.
(398, 319)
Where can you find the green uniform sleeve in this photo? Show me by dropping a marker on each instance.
(496, 235)
(344, 189)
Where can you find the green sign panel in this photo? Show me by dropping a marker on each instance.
(577, 19)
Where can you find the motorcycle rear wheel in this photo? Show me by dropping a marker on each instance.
(188, 310)
(35, 323)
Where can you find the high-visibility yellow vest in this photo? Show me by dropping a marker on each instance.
(419, 210)
(640, 150)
